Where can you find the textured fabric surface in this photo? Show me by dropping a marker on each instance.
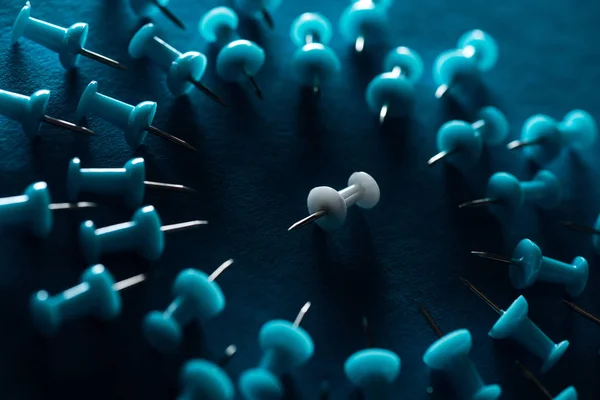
(255, 164)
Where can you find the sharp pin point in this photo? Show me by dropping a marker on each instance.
(182, 226)
(255, 86)
(158, 132)
(200, 86)
(430, 320)
(478, 202)
(480, 294)
(491, 256)
(220, 270)
(102, 59)
(169, 14)
(169, 186)
(582, 312)
(307, 220)
(66, 125)
(301, 314)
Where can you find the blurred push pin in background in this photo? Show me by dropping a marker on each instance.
(202, 379)
(363, 21)
(263, 8)
(569, 393)
(148, 8)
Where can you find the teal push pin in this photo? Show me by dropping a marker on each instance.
(477, 52)
(285, 346)
(464, 141)
(96, 295)
(595, 231)
(362, 21)
(393, 92)
(197, 298)
(134, 120)
(30, 112)
(69, 42)
(184, 71)
(450, 355)
(238, 59)
(33, 209)
(262, 8)
(373, 370)
(514, 323)
(527, 266)
(148, 8)
(543, 138)
(144, 234)
(204, 380)
(128, 182)
(569, 393)
(314, 62)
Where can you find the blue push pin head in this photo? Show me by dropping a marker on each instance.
(202, 379)
(569, 393)
(362, 21)
(218, 25)
(38, 208)
(259, 7)
(260, 384)
(241, 60)
(289, 345)
(372, 370)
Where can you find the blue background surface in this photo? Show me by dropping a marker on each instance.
(254, 167)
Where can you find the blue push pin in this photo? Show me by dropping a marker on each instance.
(148, 8)
(239, 59)
(184, 71)
(33, 209)
(96, 295)
(464, 141)
(514, 323)
(543, 138)
(134, 120)
(285, 346)
(197, 298)
(393, 92)
(477, 52)
(30, 112)
(314, 62)
(67, 42)
(569, 393)
(450, 355)
(362, 21)
(128, 182)
(144, 234)
(263, 8)
(204, 380)
(527, 266)
(506, 193)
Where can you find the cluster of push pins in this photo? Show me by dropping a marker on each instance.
(197, 296)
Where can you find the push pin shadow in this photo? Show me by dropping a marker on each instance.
(569, 393)
(202, 379)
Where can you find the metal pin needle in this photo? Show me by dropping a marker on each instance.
(268, 18)
(182, 226)
(301, 314)
(169, 186)
(103, 59)
(430, 320)
(126, 283)
(169, 14)
(71, 206)
(478, 202)
(580, 228)
(229, 353)
(66, 125)
(582, 312)
(307, 220)
(482, 296)
(158, 132)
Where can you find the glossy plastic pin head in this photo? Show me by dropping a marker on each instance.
(284, 345)
(202, 379)
(260, 384)
(363, 21)
(30, 210)
(239, 60)
(219, 25)
(373, 370)
(569, 393)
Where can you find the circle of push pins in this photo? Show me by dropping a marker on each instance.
(262, 8)
(149, 8)
(514, 323)
(97, 295)
(69, 42)
(363, 21)
(238, 60)
(528, 265)
(184, 71)
(477, 52)
(285, 346)
(144, 235)
(197, 298)
(128, 182)
(33, 209)
(543, 138)
(134, 120)
(569, 393)
(393, 93)
(461, 142)
(328, 207)
(202, 379)
(314, 62)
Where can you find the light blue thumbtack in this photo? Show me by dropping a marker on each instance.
(393, 92)
(69, 42)
(134, 120)
(239, 59)
(262, 8)
(33, 209)
(462, 142)
(147, 8)
(184, 71)
(527, 266)
(514, 323)
(96, 295)
(569, 393)
(128, 182)
(197, 298)
(202, 379)
(314, 62)
(144, 234)
(543, 138)
(363, 21)
(477, 52)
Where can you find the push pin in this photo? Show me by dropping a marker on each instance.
(184, 71)
(450, 355)
(33, 209)
(314, 62)
(328, 207)
(69, 42)
(197, 298)
(569, 393)
(373, 370)
(477, 52)
(238, 60)
(96, 295)
(144, 234)
(514, 323)
(263, 8)
(203, 379)
(128, 182)
(543, 138)
(134, 120)
(362, 21)
(148, 8)
(30, 112)
(527, 266)
(462, 142)
(285, 346)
